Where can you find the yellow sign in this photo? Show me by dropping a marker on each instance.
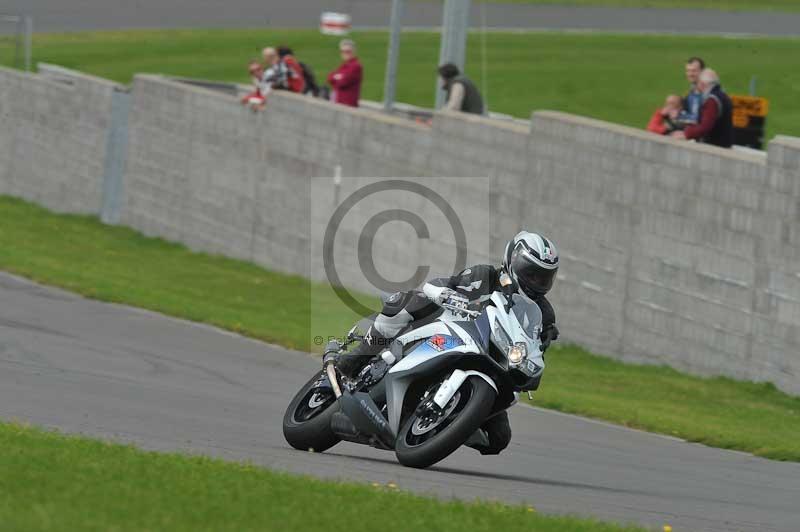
(745, 107)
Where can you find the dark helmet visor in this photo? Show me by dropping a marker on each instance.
(533, 279)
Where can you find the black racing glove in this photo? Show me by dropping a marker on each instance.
(549, 334)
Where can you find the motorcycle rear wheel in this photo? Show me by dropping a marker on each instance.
(307, 421)
(422, 443)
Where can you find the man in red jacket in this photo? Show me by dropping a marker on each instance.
(346, 80)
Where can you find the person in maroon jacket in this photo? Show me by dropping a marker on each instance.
(716, 114)
(346, 80)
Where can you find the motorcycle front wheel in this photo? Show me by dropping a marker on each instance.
(307, 421)
(426, 438)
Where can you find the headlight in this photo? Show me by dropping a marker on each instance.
(517, 353)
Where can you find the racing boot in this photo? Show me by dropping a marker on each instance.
(493, 436)
(350, 364)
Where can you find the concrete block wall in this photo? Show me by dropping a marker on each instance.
(204, 171)
(775, 339)
(53, 139)
(673, 253)
(676, 256)
(710, 257)
(192, 168)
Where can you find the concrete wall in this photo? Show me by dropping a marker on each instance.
(53, 139)
(672, 253)
(660, 237)
(775, 338)
(204, 171)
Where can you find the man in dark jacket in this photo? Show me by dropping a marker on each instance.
(530, 265)
(716, 115)
(462, 94)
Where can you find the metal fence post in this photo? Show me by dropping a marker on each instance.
(116, 154)
(390, 85)
(18, 37)
(455, 24)
(28, 42)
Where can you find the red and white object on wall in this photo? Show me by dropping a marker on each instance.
(335, 23)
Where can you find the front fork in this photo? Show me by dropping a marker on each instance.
(330, 371)
(450, 386)
(329, 357)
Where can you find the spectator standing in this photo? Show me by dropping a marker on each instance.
(665, 119)
(694, 99)
(293, 77)
(346, 80)
(462, 94)
(716, 114)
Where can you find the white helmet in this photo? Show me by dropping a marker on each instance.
(531, 261)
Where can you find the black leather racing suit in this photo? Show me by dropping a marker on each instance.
(476, 284)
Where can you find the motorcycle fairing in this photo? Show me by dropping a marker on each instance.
(366, 416)
(424, 360)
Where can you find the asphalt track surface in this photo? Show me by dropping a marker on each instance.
(129, 375)
(71, 15)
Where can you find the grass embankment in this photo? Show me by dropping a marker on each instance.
(56, 482)
(720, 412)
(717, 5)
(118, 264)
(620, 78)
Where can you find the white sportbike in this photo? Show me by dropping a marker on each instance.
(431, 389)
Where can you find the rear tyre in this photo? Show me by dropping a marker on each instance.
(423, 441)
(307, 422)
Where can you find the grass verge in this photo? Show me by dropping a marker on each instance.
(619, 78)
(720, 412)
(118, 264)
(56, 482)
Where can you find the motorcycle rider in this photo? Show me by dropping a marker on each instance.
(529, 267)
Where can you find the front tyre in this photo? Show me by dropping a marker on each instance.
(424, 439)
(307, 422)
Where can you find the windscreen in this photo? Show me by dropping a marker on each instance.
(528, 314)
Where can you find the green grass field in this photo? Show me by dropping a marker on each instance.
(55, 482)
(721, 5)
(84, 256)
(620, 78)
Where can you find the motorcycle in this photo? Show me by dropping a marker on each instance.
(432, 388)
